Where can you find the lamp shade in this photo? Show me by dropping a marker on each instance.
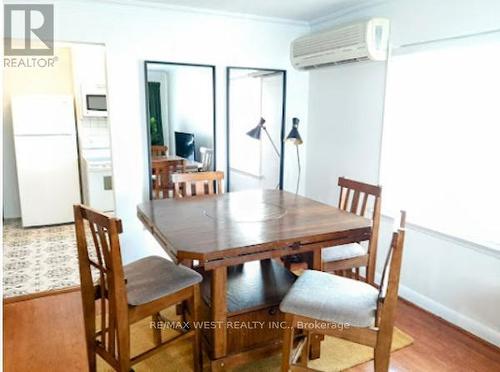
(294, 136)
(256, 132)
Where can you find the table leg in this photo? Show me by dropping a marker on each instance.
(219, 311)
(183, 307)
(315, 348)
(317, 261)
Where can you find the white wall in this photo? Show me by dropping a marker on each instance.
(345, 111)
(133, 34)
(191, 105)
(456, 280)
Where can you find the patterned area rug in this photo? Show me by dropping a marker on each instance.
(336, 354)
(38, 259)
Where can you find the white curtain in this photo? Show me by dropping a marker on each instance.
(441, 141)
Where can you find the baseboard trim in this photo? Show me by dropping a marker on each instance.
(32, 296)
(464, 323)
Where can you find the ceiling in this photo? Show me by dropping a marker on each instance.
(296, 10)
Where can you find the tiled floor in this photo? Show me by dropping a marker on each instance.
(38, 259)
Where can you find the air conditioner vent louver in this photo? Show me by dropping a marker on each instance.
(355, 42)
(334, 39)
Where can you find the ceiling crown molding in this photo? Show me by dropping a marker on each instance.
(145, 4)
(184, 9)
(346, 11)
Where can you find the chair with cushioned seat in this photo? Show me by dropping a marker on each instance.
(126, 294)
(347, 259)
(331, 305)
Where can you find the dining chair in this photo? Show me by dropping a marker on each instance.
(331, 305)
(157, 150)
(196, 184)
(207, 156)
(161, 171)
(123, 295)
(347, 259)
(191, 185)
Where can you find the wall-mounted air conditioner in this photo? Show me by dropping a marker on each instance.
(360, 41)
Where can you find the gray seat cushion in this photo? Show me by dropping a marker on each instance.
(332, 298)
(343, 252)
(153, 277)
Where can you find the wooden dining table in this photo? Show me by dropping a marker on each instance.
(235, 240)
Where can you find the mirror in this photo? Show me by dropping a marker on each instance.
(180, 100)
(255, 127)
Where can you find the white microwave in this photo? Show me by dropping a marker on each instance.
(94, 102)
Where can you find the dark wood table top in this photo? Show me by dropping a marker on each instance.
(155, 160)
(228, 225)
(167, 158)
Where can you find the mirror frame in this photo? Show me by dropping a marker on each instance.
(146, 94)
(228, 119)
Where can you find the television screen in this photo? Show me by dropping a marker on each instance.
(184, 145)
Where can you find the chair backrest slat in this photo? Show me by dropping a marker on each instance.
(201, 182)
(341, 198)
(346, 199)
(98, 252)
(200, 188)
(355, 201)
(188, 191)
(104, 248)
(363, 205)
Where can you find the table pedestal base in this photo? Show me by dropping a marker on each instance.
(241, 307)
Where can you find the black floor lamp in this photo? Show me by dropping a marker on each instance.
(294, 138)
(257, 132)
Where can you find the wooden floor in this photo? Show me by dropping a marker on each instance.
(46, 334)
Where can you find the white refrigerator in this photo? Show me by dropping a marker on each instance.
(46, 158)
